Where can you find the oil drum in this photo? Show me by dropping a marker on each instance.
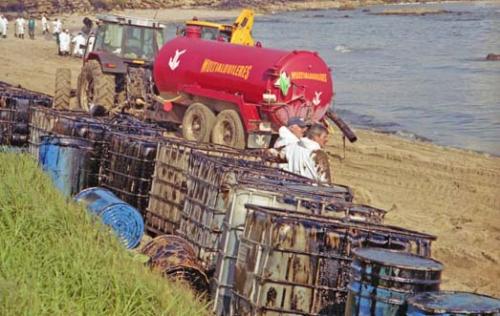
(381, 280)
(452, 304)
(124, 219)
(66, 160)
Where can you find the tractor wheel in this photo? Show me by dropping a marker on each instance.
(197, 123)
(62, 93)
(228, 130)
(95, 87)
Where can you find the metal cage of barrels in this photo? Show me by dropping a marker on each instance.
(299, 264)
(329, 201)
(169, 188)
(128, 165)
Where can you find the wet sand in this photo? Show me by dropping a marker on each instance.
(454, 194)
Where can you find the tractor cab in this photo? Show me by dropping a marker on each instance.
(127, 38)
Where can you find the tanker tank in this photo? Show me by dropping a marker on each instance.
(264, 86)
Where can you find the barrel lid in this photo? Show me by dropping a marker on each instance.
(397, 259)
(455, 302)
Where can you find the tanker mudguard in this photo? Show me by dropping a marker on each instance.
(109, 63)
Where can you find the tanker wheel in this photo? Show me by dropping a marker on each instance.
(62, 92)
(228, 130)
(95, 87)
(197, 123)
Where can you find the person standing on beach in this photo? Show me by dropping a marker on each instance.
(45, 24)
(21, 22)
(5, 28)
(78, 41)
(64, 43)
(2, 25)
(57, 28)
(31, 27)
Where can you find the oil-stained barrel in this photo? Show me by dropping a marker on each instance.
(329, 201)
(452, 304)
(67, 161)
(42, 123)
(128, 166)
(124, 219)
(14, 119)
(382, 279)
(174, 257)
(289, 265)
(169, 187)
(280, 251)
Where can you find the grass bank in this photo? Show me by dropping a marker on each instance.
(54, 260)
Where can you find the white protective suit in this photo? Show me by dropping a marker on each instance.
(301, 157)
(6, 26)
(64, 42)
(286, 137)
(57, 26)
(45, 24)
(20, 23)
(2, 25)
(77, 42)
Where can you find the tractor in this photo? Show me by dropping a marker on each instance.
(116, 71)
(116, 64)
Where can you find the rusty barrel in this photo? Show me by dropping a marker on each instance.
(449, 303)
(174, 257)
(66, 160)
(309, 200)
(290, 265)
(123, 219)
(382, 279)
(128, 165)
(290, 238)
(14, 119)
(169, 187)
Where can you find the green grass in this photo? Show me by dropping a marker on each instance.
(55, 260)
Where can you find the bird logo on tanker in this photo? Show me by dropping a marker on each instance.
(174, 61)
(317, 98)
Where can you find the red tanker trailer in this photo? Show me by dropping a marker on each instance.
(238, 95)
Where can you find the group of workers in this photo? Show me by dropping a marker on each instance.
(302, 147)
(62, 36)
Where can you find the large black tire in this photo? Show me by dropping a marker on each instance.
(228, 130)
(197, 123)
(62, 92)
(95, 87)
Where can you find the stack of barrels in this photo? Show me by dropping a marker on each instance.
(256, 239)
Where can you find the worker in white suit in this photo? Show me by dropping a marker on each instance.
(78, 41)
(307, 157)
(20, 26)
(64, 43)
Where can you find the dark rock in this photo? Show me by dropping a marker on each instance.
(493, 57)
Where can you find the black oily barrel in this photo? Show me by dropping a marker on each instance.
(14, 118)
(128, 166)
(452, 304)
(382, 279)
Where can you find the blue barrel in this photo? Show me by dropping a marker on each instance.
(452, 303)
(124, 219)
(382, 279)
(66, 160)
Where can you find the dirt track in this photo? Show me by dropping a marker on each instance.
(451, 193)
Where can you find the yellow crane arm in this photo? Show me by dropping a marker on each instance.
(242, 28)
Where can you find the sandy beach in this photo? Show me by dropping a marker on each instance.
(451, 193)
